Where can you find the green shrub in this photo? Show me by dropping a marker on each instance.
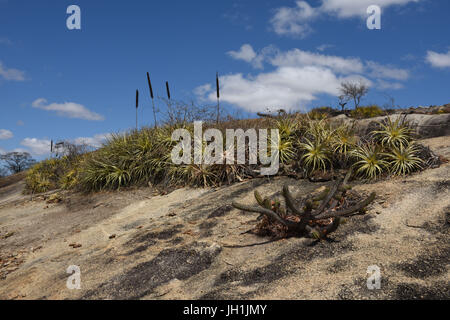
(56, 173)
(44, 176)
(367, 112)
(321, 113)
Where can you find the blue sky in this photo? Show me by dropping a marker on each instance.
(57, 83)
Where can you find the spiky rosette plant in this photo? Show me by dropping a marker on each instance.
(370, 160)
(404, 159)
(287, 128)
(393, 133)
(316, 146)
(316, 154)
(312, 216)
(344, 141)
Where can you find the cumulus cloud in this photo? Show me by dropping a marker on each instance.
(246, 53)
(438, 60)
(388, 72)
(95, 141)
(351, 8)
(5, 134)
(38, 147)
(11, 74)
(295, 21)
(298, 78)
(41, 147)
(297, 57)
(286, 87)
(202, 90)
(68, 109)
(388, 85)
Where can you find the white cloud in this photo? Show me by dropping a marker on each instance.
(298, 78)
(41, 147)
(295, 20)
(286, 87)
(297, 57)
(11, 74)
(438, 60)
(246, 53)
(202, 90)
(389, 72)
(5, 134)
(324, 47)
(68, 109)
(352, 8)
(38, 147)
(387, 85)
(95, 141)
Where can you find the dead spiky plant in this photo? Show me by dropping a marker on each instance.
(313, 217)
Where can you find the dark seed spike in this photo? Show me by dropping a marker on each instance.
(217, 85)
(150, 85)
(137, 99)
(168, 90)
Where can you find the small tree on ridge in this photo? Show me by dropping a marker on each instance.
(353, 91)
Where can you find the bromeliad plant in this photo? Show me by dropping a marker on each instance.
(403, 159)
(312, 216)
(393, 133)
(316, 146)
(370, 161)
(138, 158)
(344, 141)
(287, 130)
(316, 154)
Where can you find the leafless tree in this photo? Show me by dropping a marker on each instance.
(343, 102)
(179, 112)
(391, 102)
(70, 150)
(354, 91)
(17, 161)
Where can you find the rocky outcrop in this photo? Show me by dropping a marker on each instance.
(192, 244)
(426, 126)
(429, 110)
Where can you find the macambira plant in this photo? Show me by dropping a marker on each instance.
(393, 133)
(370, 161)
(140, 157)
(403, 159)
(316, 154)
(344, 141)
